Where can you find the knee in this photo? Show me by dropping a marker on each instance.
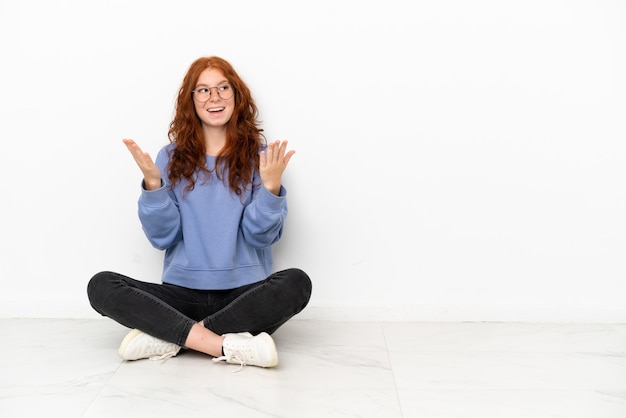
(98, 288)
(303, 284)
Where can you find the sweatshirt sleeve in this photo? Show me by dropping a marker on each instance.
(264, 218)
(159, 213)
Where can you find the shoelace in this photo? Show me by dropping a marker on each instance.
(163, 357)
(235, 356)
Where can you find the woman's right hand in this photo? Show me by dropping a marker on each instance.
(151, 173)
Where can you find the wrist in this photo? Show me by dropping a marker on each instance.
(275, 190)
(152, 184)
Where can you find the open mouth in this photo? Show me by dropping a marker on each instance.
(216, 109)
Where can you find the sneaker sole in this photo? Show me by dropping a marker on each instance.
(129, 337)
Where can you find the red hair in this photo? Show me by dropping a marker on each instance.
(244, 138)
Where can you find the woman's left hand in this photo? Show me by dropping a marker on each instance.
(274, 160)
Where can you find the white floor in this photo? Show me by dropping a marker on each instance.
(70, 368)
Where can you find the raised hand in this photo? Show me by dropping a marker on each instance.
(151, 173)
(274, 160)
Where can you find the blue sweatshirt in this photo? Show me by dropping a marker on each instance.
(212, 238)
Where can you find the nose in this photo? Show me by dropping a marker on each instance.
(213, 96)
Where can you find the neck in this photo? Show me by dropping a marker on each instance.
(214, 140)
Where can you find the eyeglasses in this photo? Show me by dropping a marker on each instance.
(202, 94)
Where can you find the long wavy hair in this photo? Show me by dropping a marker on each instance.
(240, 156)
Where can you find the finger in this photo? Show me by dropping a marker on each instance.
(146, 158)
(143, 159)
(130, 144)
(132, 147)
(288, 157)
(283, 148)
(263, 158)
(278, 151)
(270, 151)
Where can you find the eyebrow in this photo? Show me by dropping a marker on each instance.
(218, 84)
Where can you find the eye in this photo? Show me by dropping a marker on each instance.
(223, 88)
(202, 90)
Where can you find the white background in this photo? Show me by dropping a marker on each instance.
(456, 160)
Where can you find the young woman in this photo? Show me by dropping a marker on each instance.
(213, 200)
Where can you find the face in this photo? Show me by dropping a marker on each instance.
(213, 110)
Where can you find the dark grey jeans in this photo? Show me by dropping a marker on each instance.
(168, 311)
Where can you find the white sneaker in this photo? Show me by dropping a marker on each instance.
(247, 350)
(138, 345)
